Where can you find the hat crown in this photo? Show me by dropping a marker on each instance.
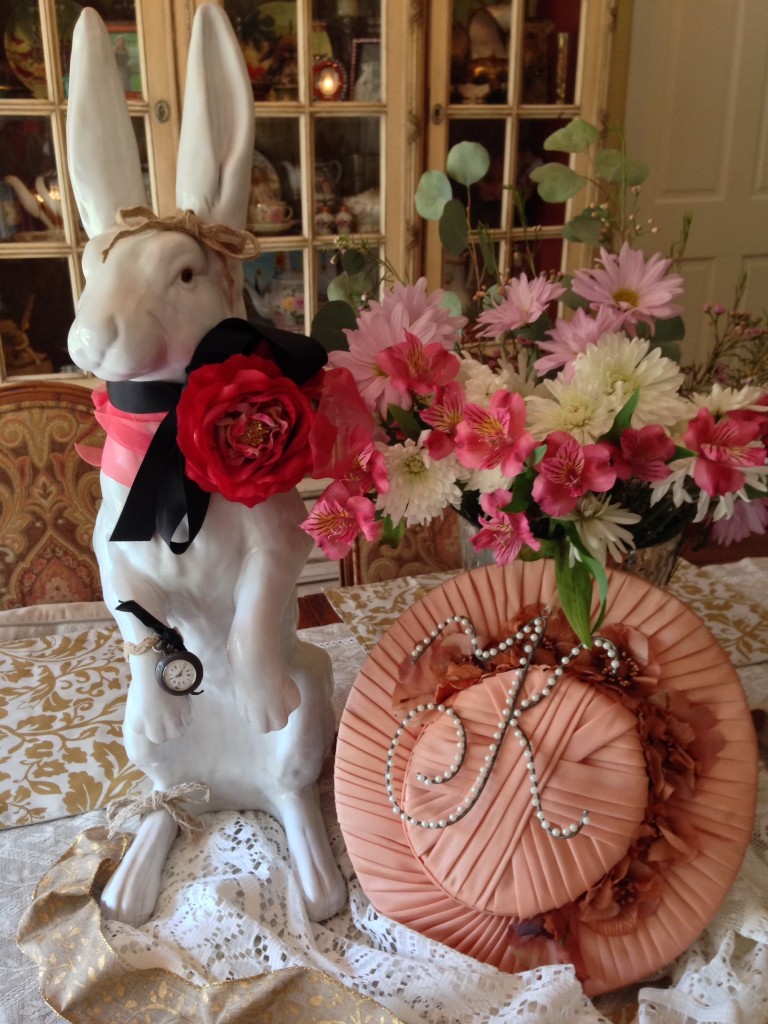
(588, 757)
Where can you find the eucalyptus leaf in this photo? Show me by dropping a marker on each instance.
(329, 324)
(353, 261)
(454, 233)
(609, 164)
(452, 303)
(468, 162)
(340, 290)
(635, 172)
(575, 137)
(433, 192)
(670, 329)
(584, 228)
(556, 183)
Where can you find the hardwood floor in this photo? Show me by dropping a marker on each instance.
(316, 610)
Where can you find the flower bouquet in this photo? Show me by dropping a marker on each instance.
(551, 415)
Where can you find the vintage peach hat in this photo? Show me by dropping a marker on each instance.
(527, 801)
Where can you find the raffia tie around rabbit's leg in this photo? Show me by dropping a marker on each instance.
(131, 893)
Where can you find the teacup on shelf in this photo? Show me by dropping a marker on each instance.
(272, 212)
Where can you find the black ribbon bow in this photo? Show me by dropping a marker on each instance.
(162, 495)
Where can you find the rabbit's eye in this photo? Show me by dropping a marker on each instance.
(187, 274)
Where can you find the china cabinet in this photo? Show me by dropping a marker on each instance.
(353, 99)
(507, 75)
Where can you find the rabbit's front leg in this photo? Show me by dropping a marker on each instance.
(150, 712)
(263, 631)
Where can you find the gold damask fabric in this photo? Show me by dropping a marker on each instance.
(48, 495)
(62, 700)
(82, 978)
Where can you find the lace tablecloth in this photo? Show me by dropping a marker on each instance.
(230, 909)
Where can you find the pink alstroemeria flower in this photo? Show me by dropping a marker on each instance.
(568, 470)
(723, 448)
(444, 416)
(523, 303)
(505, 532)
(637, 290)
(418, 368)
(495, 436)
(343, 432)
(644, 453)
(336, 519)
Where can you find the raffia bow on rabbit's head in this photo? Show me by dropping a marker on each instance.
(186, 282)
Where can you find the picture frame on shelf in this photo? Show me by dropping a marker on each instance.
(329, 79)
(125, 43)
(365, 70)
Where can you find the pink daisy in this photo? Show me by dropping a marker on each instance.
(505, 532)
(410, 306)
(749, 518)
(572, 337)
(635, 289)
(523, 303)
(373, 335)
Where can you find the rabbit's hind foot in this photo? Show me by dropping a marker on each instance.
(131, 893)
(325, 892)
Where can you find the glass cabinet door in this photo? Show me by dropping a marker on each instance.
(507, 75)
(40, 235)
(329, 139)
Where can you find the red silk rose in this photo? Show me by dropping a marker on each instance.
(243, 429)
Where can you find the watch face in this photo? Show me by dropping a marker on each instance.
(179, 672)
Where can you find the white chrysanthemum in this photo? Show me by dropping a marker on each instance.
(480, 381)
(600, 525)
(486, 481)
(721, 400)
(617, 366)
(573, 407)
(681, 472)
(419, 487)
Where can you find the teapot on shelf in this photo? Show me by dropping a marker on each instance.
(327, 178)
(44, 203)
(283, 302)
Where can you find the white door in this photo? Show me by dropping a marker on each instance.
(697, 114)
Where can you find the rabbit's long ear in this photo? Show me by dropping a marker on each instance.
(102, 153)
(216, 143)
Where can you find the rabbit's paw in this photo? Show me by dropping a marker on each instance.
(268, 706)
(130, 894)
(322, 884)
(156, 715)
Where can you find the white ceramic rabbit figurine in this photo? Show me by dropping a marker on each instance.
(260, 731)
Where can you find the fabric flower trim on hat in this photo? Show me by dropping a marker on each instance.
(679, 741)
(243, 429)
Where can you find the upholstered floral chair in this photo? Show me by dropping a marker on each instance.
(48, 495)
